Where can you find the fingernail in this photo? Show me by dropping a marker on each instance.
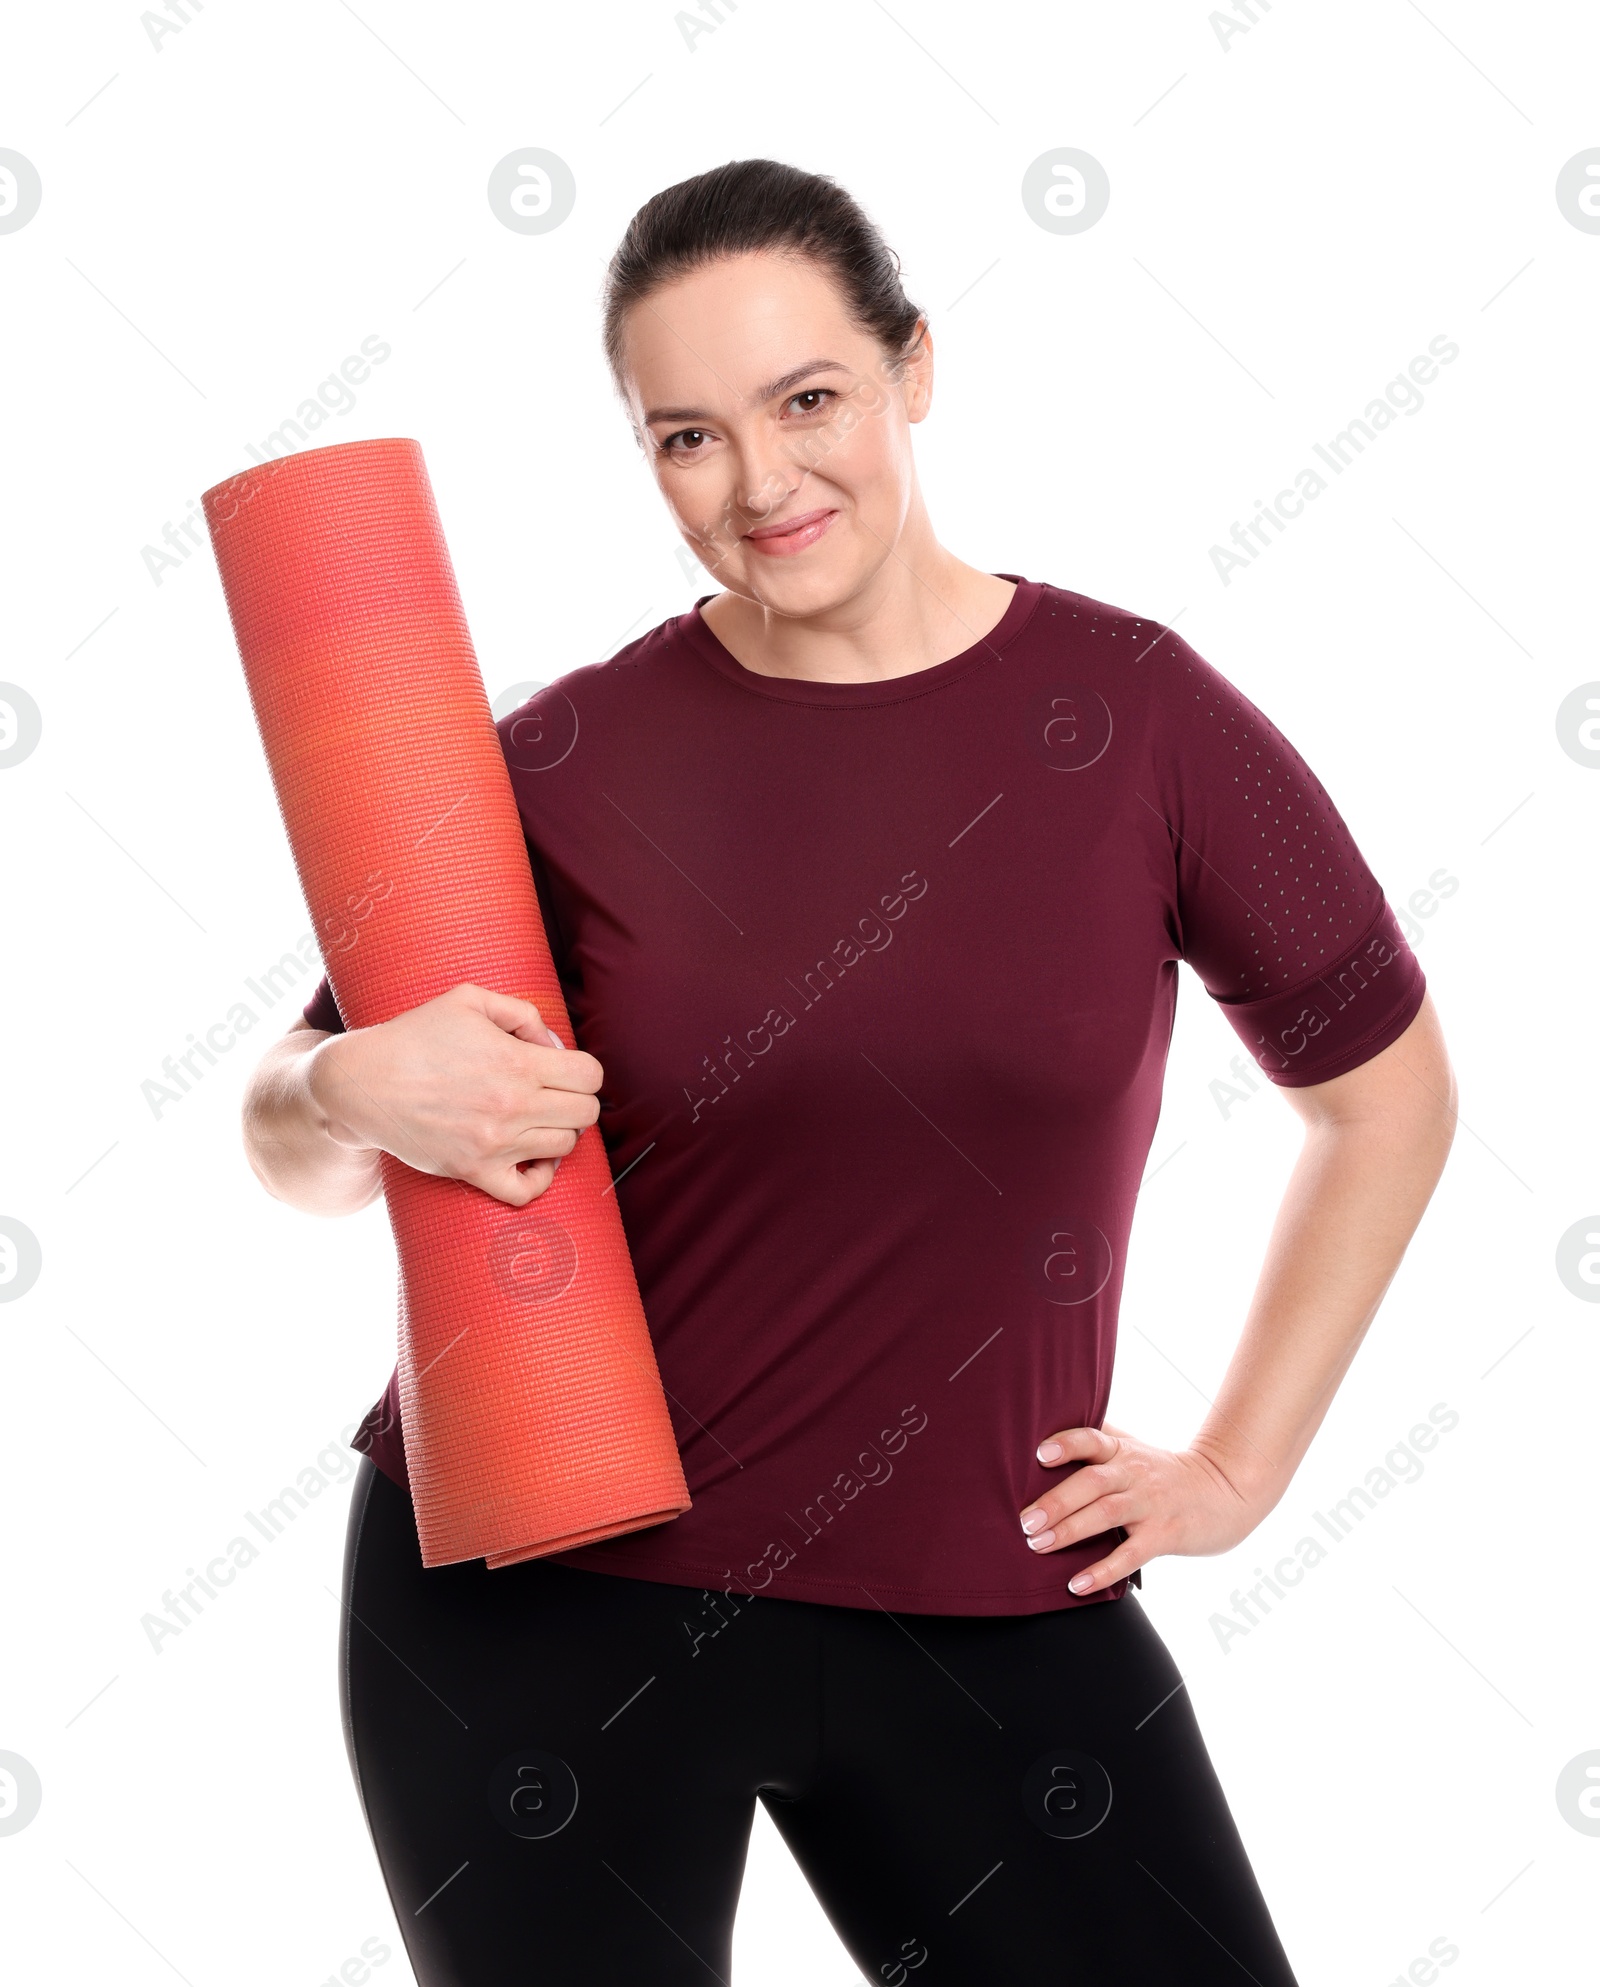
(1079, 1582)
(1048, 1451)
(1032, 1520)
(1042, 1539)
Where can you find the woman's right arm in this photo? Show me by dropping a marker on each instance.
(470, 1085)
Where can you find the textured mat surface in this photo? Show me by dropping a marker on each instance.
(531, 1403)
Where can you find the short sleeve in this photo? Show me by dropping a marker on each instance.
(1275, 907)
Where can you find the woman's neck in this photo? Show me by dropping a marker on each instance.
(910, 614)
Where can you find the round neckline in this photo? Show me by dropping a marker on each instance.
(695, 630)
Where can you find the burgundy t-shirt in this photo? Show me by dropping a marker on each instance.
(881, 976)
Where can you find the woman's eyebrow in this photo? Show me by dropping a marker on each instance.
(768, 392)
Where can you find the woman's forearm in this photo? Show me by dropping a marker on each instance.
(1375, 1146)
(296, 1144)
(470, 1086)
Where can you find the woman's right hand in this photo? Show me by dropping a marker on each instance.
(470, 1085)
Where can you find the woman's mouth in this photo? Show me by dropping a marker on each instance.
(792, 534)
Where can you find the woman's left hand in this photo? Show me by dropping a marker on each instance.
(1166, 1500)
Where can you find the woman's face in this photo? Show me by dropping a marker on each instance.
(761, 406)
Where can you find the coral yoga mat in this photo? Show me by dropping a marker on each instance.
(530, 1399)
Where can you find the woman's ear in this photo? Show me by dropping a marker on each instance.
(916, 378)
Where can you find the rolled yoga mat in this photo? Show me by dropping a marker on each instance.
(530, 1399)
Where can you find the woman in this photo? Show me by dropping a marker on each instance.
(867, 879)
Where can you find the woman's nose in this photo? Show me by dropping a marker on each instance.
(767, 481)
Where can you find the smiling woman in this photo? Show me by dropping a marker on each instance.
(918, 1214)
(772, 365)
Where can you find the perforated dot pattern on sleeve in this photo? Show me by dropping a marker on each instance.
(1280, 915)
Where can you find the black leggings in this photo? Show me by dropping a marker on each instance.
(560, 1769)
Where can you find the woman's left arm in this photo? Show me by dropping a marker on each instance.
(1375, 1145)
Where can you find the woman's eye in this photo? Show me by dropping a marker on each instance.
(691, 441)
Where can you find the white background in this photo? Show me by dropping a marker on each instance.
(1293, 216)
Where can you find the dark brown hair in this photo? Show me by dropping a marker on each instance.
(751, 204)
